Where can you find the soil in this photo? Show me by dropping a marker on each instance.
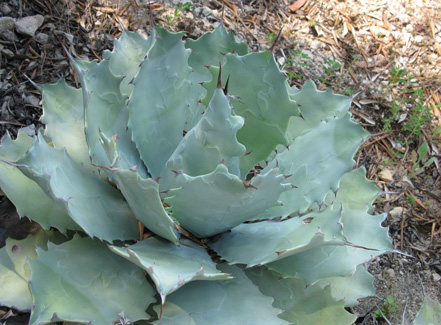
(367, 39)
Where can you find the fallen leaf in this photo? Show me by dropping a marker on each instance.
(296, 5)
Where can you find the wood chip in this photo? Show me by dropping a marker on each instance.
(296, 5)
(386, 175)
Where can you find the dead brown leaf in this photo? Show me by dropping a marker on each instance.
(296, 5)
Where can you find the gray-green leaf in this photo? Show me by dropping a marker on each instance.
(83, 281)
(171, 266)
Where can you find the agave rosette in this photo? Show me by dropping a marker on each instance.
(245, 184)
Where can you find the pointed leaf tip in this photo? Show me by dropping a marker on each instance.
(177, 172)
(226, 86)
(219, 82)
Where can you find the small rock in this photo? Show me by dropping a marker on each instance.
(215, 14)
(32, 100)
(390, 273)
(436, 276)
(386, 175)
(189, 15)
(8, 35)
(197, 12)
(396, 212)
(6, 24)
(206, 12)
(5, 9)
(7, 52)
(29, 25)
(406, 182)
(315, 45)
(281, 61)
(42, 38)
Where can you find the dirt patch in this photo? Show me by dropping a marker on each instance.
(352, 46)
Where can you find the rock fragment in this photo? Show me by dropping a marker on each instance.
(29, 25)
(386, 175)
(6, 24)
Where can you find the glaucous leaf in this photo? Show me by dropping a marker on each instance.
(83, 281)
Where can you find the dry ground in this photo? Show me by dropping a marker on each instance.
(366, 41)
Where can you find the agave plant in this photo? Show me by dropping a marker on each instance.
(187, 183)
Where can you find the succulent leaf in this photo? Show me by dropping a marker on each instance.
(363, 242)
(309, 162)
(354, 196)
(236, 301)
(158, 123)
(105, 112)
(142, 195)
(63, 116)
(280, 239)
(14, 269)
(94, 204)
(301, 304)
(316, 106)
(82, 281)
(261, 97)
(352, 287)
(171, 266)
(210, 204)
(208, 50)
(210, 142)
(38, 206)
(128, 53)
(430, 312)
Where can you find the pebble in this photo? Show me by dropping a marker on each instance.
(391, 273)
(6, 24)
(396, 213)
(8, 35)
(436, 276)
(315, 45)
(189, 15)
(197, 12)
(5, 9)
(206, 11)
(386, 175)
(42, 38)
(7, 53)
(281, 61)
(29, 25)
(406, 182)
(32, 100)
